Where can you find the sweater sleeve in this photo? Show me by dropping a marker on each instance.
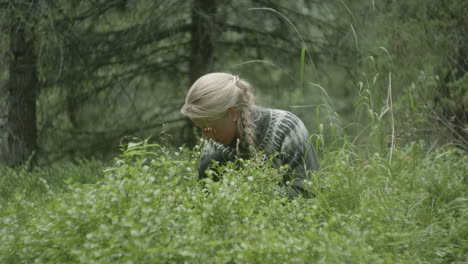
(299, 154)
(214, 152)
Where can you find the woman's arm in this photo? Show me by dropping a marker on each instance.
(214, 152)
(299, 154)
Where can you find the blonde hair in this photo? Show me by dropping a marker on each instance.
(213, 94)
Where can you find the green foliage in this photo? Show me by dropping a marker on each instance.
(21, 182)
(422, 44)
(378, 198)
(114, 68)
(150, 207)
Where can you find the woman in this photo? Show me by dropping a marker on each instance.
(223, 107)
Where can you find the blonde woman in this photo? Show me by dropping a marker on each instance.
(223, 107)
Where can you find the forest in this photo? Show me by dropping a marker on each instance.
(98, 165)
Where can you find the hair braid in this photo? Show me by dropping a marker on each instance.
(247, 129)
(246, 126)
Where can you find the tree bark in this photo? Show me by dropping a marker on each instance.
(203, 27)
(22, 88)
(201, 43)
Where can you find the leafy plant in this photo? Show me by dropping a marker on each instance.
(150, 207)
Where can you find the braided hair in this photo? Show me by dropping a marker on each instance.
(245, 124)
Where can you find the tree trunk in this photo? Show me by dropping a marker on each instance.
(202, 32)
(22, 88)
(203, 27)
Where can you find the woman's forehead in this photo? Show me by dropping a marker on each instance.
(207, 122)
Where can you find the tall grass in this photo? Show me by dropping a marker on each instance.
(36, 183)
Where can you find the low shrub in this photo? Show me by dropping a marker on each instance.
(151, 208)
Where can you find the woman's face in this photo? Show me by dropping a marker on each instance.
(222, 130)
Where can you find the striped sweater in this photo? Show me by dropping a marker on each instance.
(277, 131)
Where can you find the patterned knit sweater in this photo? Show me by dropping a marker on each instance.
(277, 131)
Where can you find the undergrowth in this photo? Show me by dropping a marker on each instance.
(151, 208)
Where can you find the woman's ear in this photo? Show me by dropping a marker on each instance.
(234, 113)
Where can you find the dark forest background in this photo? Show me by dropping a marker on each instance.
(77, 76)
